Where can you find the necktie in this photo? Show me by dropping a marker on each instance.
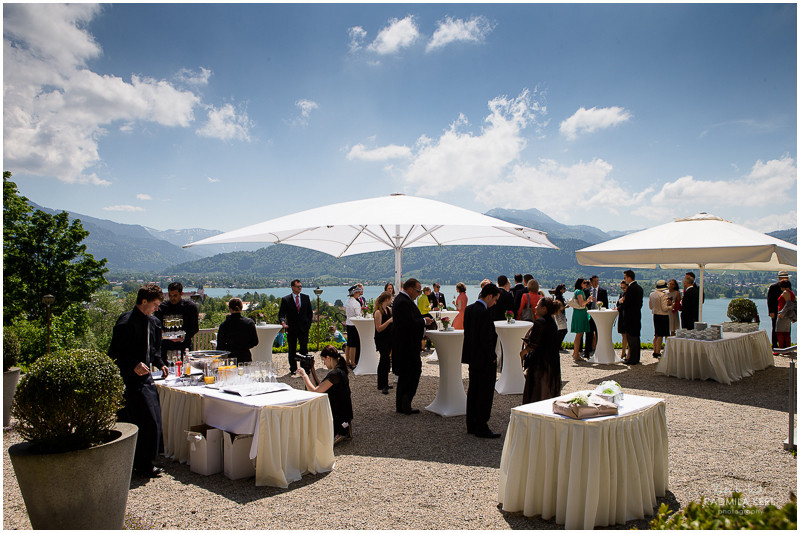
(297, 301)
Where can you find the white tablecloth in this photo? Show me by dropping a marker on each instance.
(292, 430)
(451, 400)
(368, 357)
(512, 380)
(604, 351)
(585, 473)
(735, 356)
(266, 338)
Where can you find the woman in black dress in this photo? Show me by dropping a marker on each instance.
(384, 323)
(337, 385)
(540, 356)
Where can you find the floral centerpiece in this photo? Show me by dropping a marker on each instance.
(446, 323)
(609, 390)
(509, 317)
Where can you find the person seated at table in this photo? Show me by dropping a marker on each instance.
(460, 303)
(337, 386)
(384, 323)
(540, 355)
(787, 313)
(528, 302)
(238, 333)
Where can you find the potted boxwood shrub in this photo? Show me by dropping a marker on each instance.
(742, 310)
(11, 352)
(74, 470)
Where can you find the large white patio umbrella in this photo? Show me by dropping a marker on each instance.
(701, 241)
(391, 222)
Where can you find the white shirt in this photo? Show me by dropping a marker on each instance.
(352, 309)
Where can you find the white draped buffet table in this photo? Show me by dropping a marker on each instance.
(368, 357)
(292, 430)
(512, 380)
(735, 356)
(585, 473)
(604, 351)
(451, 400)
(266, 338)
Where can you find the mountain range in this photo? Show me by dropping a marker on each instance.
(136, 248)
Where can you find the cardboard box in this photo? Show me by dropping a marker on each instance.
(236, 453)
(205, 449)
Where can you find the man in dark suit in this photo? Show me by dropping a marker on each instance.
(505, 302)
(773, 294)
(296, 315)
(600, 295)
(519, 290)
(409, 328)
(690, 302)
(437, 298)
(480, 339)
(632, 314)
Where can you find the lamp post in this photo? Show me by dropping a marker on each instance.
(48, 300)
(318, 291)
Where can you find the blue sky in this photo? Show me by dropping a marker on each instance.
(219, 116)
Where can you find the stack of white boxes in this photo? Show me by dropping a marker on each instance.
(205, 452)
(236, 453)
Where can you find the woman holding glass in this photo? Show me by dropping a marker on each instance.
(580, 316)
(337, 386)
(460, 303)
(384, 323)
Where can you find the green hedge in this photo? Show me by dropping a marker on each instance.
(732, 513)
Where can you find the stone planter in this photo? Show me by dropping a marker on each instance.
(82, 489)
(10, 380)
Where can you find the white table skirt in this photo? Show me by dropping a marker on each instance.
(604, 351)
(585, 473)
(368, 357)
(292, 430)
(266, 338)
(451, 400)
(512, 380)
(735, 356)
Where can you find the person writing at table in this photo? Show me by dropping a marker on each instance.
(337, 386)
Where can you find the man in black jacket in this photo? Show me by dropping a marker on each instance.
(135, 346)
(296, 315)
(773, 294)
(238, 333)
(505, 302)
(409, 328)
(690, 302)
(480, 339)
(437, 299)
(185, 310)
(631, 302)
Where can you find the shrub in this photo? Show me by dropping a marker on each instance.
(742, 310)
(68, 400)
(733, 513)
(11, 349)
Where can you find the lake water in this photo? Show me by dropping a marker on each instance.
(714, 311)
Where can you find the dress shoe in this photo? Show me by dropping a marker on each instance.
(409, 411)
(385, 390)
(487, 434)
(149, 472)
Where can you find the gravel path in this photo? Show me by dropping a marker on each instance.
(426, 472)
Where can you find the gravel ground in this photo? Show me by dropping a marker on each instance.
(426, 472)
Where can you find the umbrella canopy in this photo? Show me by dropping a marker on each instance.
(391, 222)
(700, 241)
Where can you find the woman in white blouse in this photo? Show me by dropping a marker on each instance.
(352, 309)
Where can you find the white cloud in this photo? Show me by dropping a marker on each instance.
(357, 35)
(213, 180)
(590, 120)
(128, 208)
(193, 77)
(452, 30)
(766, 184)
(306, 107)
(227, 124)
(399, 34)
(773, 222)
(460, 158)
(383, 153)
(143, 197)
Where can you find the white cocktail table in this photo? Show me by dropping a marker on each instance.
(451, 400)
(266, 337)
(604, 351)
(368, 359)
(512, 380)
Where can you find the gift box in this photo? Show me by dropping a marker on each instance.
(205, 449)
(236, 456)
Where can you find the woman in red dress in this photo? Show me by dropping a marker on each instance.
(460, 303)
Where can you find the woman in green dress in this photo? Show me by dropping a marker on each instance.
(580, 316)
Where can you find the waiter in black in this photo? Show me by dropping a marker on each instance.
(480, 339)
(631, 303)
(135, 346)
(296, 316)
(187, 310)
(409, 328)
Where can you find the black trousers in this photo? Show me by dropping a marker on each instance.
(774, 333)
(407, 383)
(634, 347)
(385, 351)
(294, 334)
(589, 341)
(480, 396)
(143, 409)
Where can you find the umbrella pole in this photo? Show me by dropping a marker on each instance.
(702, 275)
(398, 269)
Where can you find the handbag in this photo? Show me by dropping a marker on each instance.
(573, 303)
(527, 312)
(595, 407)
